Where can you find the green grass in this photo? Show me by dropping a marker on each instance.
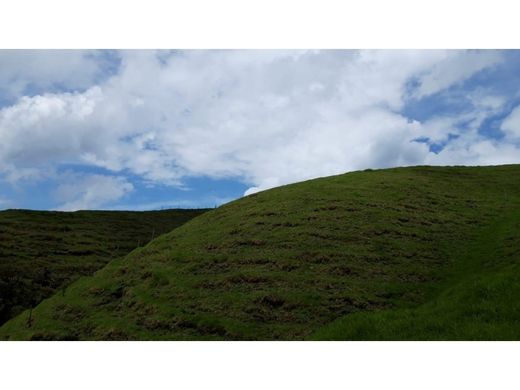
(479, 301)
(41, 251)
(406, 253)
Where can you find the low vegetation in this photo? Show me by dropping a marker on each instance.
(42, 252)
(406, 253)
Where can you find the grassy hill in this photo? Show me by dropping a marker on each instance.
(407, 253)
(42, 251)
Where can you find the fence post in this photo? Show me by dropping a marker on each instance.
(29, 320)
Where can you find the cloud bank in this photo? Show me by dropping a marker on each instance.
(86, 192)
(265, 118)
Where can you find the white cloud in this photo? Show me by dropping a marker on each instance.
(511, 125)
(92, 191)
(438, 129)
(49, 128)
(476, 150)
(267, 117)
(455, 68)
(44, 69)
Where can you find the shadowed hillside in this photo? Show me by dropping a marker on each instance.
(42, 251)
(391, 254)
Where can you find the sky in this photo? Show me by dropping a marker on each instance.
(145, 129)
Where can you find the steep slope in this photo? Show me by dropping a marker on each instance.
(289, 262)
(41, 251)
(480, 300)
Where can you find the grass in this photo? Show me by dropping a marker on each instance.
(42, 252)
(479, 300)
(406, 253)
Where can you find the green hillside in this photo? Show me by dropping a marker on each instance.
(406, 253)
(42, 251)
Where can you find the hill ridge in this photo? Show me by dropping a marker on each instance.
(43, 251)
(287, 262)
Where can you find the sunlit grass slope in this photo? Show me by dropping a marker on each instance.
(481, 301)
(407, 253)
(42, 251)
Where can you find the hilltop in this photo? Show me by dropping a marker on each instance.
(43, 251)
(404, 253)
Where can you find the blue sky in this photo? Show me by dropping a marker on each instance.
(144, 129)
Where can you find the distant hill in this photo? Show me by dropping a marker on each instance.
(405, 253)
(42, 251)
